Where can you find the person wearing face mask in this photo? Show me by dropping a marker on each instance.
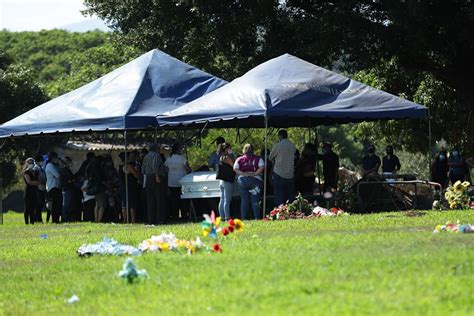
(55, 194)
(391, 163)
(41, 192)
(457, 166)
(31, 180)
(371, 162)
(226, 175)
(440, 168)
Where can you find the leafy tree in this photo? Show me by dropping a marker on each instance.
(417, 49)
(18, 93)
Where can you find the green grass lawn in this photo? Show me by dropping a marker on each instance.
(381, 264)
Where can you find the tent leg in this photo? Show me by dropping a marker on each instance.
(1, 196)
(126, 177)
(316, 140)
(430, 153)
(265, 172)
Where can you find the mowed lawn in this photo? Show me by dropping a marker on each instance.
(380, 264)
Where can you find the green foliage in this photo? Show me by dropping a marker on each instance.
(49, 53)
(380, 264)
(18, 93)
(90, 65)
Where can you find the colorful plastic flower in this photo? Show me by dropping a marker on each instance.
(225, 231)
(210, 225)
(231, 229)
(239, 225)
(130, 272)
(216, 248)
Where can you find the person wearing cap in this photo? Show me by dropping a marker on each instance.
(283, 159)
(330, 167)
(213, 161)
(371, 162)
(391, 163)
(31, 180)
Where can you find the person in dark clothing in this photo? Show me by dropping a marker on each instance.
(133, 180)
(440, 168)
(67, 186)
(55, 195)
(391, 163)
(154, 173)
(41, 193)
(304, 169)
(330, 167)
(30, 177)
(457, 166)
(268, 171)
(371, 162)
(82, 170)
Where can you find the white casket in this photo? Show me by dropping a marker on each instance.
(201, 185)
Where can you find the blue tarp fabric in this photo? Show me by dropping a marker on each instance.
(129, 97)
(291, 92)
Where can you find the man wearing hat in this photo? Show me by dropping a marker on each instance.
(330, 167)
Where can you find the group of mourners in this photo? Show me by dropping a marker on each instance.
(145, 187)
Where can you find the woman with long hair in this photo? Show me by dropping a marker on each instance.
(226, 175)
(30, 177)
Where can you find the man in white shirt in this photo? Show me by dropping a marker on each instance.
(283, 158)
(54, 192)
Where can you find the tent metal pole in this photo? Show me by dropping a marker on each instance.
(126, 176)
(1, 193)
(430, 154)
(316, 140)
(265, 170)
(155, 136)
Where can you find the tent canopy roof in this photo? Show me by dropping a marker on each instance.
(291, 92)
(129, 97)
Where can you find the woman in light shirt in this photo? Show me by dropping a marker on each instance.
(177, 167)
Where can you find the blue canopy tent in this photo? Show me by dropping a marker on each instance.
(289, 92)
(127, 98)
(289, 87)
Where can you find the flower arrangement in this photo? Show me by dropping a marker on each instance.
(457, 195)
(299, 208)
(168, 242)
(323, 212)
(107, 247)
(454, 228)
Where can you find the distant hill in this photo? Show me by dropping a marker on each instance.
(85, 26)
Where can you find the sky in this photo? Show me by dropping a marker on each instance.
(35, 15)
